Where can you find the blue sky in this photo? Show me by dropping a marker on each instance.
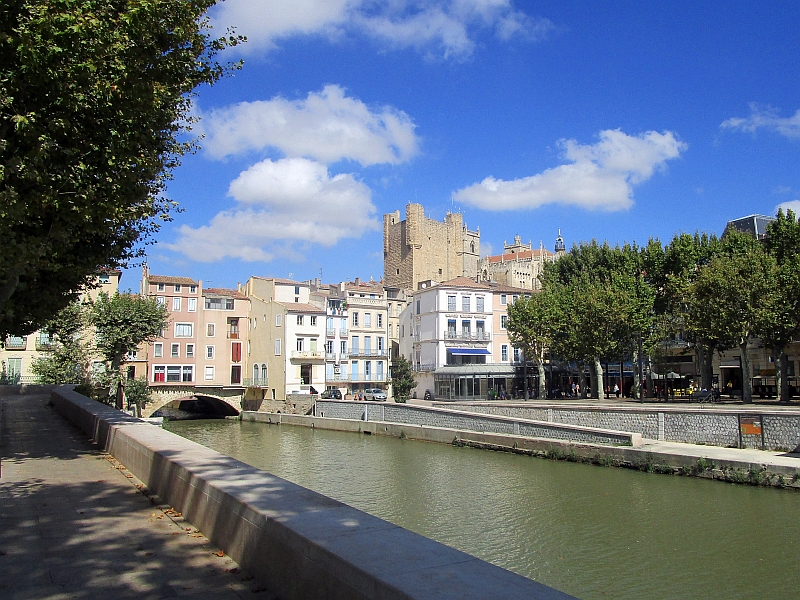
(616, 121)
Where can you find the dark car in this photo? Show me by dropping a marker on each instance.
(331, 394)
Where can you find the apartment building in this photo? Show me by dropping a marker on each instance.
(397, 299)
(368, 315)
(224, 340)
(19, 352)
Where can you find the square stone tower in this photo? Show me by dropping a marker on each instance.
(418, 248)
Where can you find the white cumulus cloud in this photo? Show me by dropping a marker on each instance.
(449, 26)
(765, 117)
(327, 126)
(282, 204)
(598, 176)
(792, 205)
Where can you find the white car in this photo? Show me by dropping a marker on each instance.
(375, 394)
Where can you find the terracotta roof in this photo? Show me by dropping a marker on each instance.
(519, 255)
(464, 282)
(303, 308)
(227, 293)
(364, 285)
(110, 271)
(171, 279)
(287, 281)
(508, 289)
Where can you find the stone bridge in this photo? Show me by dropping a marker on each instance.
(230, 399)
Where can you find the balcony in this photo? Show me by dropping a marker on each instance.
(369, 352)
(254, 382)
(43, 343)
(308, 355)
(331, 333)
(16, 343)
(466, 336)
(380, 378)
(233, 335)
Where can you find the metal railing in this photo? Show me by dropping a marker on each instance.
(357, 377)
(254, 382)
(477, 336)
(369, 352)
(16, 343)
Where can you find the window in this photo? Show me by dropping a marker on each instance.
(236, 374)
(161, 300)
(219, 303)
(479, 327)
(277, 347)
(233, 328)
(236, 352)
(380, 343)
(503, 299)
(390, 330)
(465, 303)
(516, 354)
(278, 320)
(451, 326)
(380, 320)
(173, 374)
(192, 304)
(367, 344)
(192, 289)
(159, 374)
(209, 375)
(132, 355)
(160, 287)
(103, 278)
(354, 344)
(465, 327)
(367, 369)
(299, 319)
(176, 303)
(355, 319)
(515, 298)
(175, 350)
(479, 304)
(210, 330)
(183, 330)
(177, 288)
(158, 350)
(329, 346)
(189, 350)
(188, 373)
(313, 321)
(504, 352)
(296, 290)
(418, 307)
(343, 347)
(299, 344)
(503, 321)
(367, 319)
(209, 352)
(379, 371)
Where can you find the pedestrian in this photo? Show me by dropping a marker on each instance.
(616, 390)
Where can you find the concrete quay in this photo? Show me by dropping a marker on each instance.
(296, 542)
(74, 524)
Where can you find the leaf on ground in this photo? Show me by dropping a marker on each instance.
(219, 553)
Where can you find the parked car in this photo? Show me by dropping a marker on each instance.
(331, 394)
(428, 395)
(375, 394)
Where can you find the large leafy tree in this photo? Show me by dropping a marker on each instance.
(530, 326)
(402, 381)
(730, 297)
(122, 322)
(66, 357)
(94, 101)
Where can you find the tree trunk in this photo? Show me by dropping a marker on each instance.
(747, 391)
(542, 375)
(598, 368)
(584, 385)
(636, 390)
(525, 375)
(116, 362)
(706, 372)
(782, 379)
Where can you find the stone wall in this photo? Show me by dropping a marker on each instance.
(464, 421)
(165, 394)
(716, 427)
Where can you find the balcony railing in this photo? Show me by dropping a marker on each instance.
(309, 354)
(368, 352)
(466, 336)
(16, 343)
(233, 335)
(254, 382)
(331, 333)
(358, 377)
(423, 367)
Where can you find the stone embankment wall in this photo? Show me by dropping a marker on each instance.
(464, 421)
(298, 543)
(715, 427)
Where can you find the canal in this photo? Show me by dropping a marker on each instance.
(589, 531)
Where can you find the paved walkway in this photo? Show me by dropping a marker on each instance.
(73, 524)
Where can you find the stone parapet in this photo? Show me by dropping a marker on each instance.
(298, 542)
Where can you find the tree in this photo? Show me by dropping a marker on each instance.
(122, 322)
(530, 326)
(137, 393)
(402, 380)
(66, 357)
(95, 98)
(731, 296)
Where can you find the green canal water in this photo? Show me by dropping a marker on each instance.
(590, 531)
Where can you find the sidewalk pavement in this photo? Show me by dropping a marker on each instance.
(74, 525)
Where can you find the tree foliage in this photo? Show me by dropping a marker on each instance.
(530, 328)
(94, 100)
(402, 380)
(122, 322)
(66, 358)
